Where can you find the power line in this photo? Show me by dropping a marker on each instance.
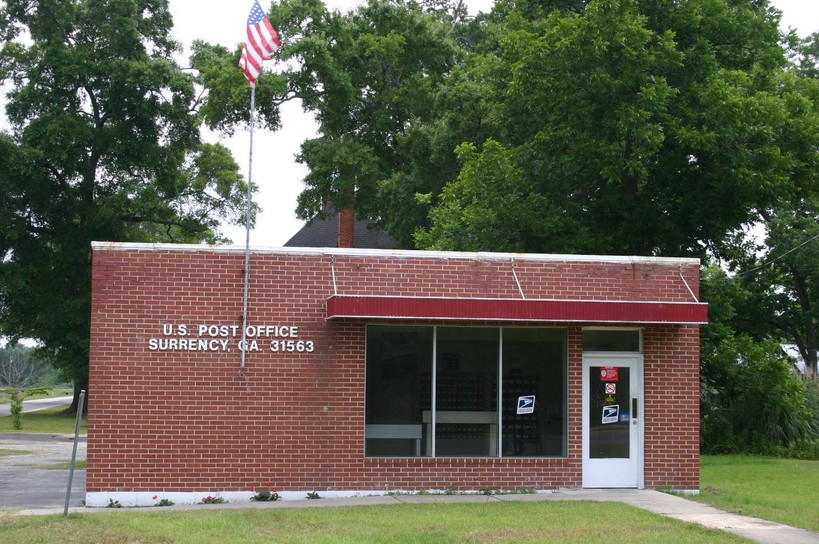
(760, 267)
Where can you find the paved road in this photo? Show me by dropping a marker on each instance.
(37, 404)
(23, 485)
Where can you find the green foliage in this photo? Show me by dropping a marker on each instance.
(103, 145)
(19, 369)
(369, 76)
(16, 397)
(16, 410)
(751, 398)
(784, 283)
(227, 103)
(489, 207)
(264, 495)
(610, 126)
(648, 128)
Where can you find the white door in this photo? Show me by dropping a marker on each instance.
(612, 420)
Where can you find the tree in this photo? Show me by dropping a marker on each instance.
(782, 279)
(752, 400)
(21, 360)
(368, 76)
(782, 272)
(16, 372)
(649, 128)
(633, 127)
(104, 145)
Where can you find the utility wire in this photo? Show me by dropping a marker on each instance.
(760, 267)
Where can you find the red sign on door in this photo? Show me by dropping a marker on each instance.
(609, 374)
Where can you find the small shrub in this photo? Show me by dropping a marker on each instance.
(264, 495)
(16, 410)
(212, 500)
(113, 504)
(163, 502)
(313, 495)
(806, 450)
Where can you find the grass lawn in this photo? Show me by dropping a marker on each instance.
(79, 465)
(48, 421)
(782, 490)
(512, 522)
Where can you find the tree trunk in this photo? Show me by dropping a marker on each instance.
(79, 385)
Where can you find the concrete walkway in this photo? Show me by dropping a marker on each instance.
(757, 530)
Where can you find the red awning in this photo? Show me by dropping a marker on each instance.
(377, 307)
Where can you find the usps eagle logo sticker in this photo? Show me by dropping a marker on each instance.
(611, 414)
(526, 404)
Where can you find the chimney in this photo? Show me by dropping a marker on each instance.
(346, 227)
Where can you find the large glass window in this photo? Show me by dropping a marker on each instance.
(534, 367)
(465, 391)
(399, 364)
(466, 416)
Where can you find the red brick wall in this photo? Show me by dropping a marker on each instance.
(672, 409)
(190, 421)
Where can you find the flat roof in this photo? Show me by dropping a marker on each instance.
(399, 253)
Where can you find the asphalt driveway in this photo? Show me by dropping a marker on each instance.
(23, 485)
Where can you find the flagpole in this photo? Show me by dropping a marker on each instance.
(262, 41)
(247, 230)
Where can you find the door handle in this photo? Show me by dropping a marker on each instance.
(634, 413)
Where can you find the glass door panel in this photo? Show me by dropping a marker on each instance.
(609, 420)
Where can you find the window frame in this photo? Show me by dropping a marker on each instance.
(564, 339)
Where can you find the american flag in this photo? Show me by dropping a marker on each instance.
(261, 42)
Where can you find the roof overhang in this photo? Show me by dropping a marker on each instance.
(494, 309)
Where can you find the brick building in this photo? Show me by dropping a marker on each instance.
(369, 371)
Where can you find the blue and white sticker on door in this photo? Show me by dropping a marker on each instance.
(611, 414)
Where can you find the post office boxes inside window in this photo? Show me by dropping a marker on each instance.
(466, 391)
